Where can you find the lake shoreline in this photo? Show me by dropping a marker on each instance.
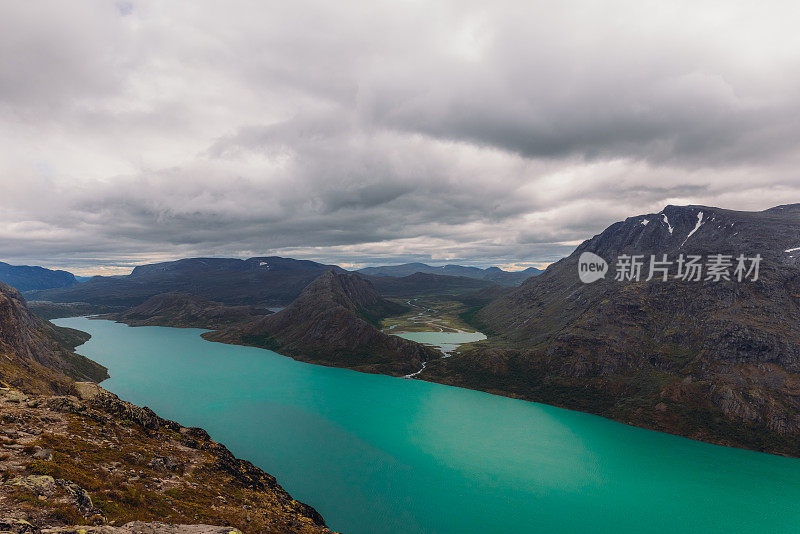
(431, 369)
(371, 432)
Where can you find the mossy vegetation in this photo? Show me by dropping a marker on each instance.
(426, 314)
(81, 367)
(108, 461)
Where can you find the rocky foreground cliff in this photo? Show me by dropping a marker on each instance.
(91, 458)
(716, 360)
(73, 454)
(332, 322)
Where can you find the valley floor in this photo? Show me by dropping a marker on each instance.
(428, 314)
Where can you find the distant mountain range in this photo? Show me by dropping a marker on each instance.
(712, 360)
(263, 281)
(492, 274)
(26, 277)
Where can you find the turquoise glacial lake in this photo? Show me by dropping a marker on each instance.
(382, 455)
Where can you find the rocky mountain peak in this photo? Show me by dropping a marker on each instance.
(773, 233)
(333, 322)
(346, 289)
(740, 337)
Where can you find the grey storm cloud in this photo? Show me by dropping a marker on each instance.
(369, 132)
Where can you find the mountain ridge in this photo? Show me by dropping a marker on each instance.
(33, 277)
(492, 274)
(258, 281)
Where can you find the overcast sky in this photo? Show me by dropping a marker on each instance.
(381, 132)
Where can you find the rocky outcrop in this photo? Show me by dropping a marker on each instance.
(720, 359)
(139, 527)
(332, 323)
(93, 459)
(20, 526)
(185, 310)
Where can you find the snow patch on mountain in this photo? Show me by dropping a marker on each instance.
(666, 221)
(696, 227)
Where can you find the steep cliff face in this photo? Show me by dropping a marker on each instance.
(331, 323)
(187, 311)
(715, 360)
(36, 353)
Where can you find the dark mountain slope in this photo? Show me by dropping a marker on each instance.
(331, 323)
(255, 281)
(186, 311)
(26, 277)
(718, 361)
(37, 351)
(53, 310)
(418, 284)
(493, 274)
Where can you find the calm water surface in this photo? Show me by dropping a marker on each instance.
(376, 454)
(447, 342)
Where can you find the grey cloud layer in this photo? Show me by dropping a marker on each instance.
(382, 131)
